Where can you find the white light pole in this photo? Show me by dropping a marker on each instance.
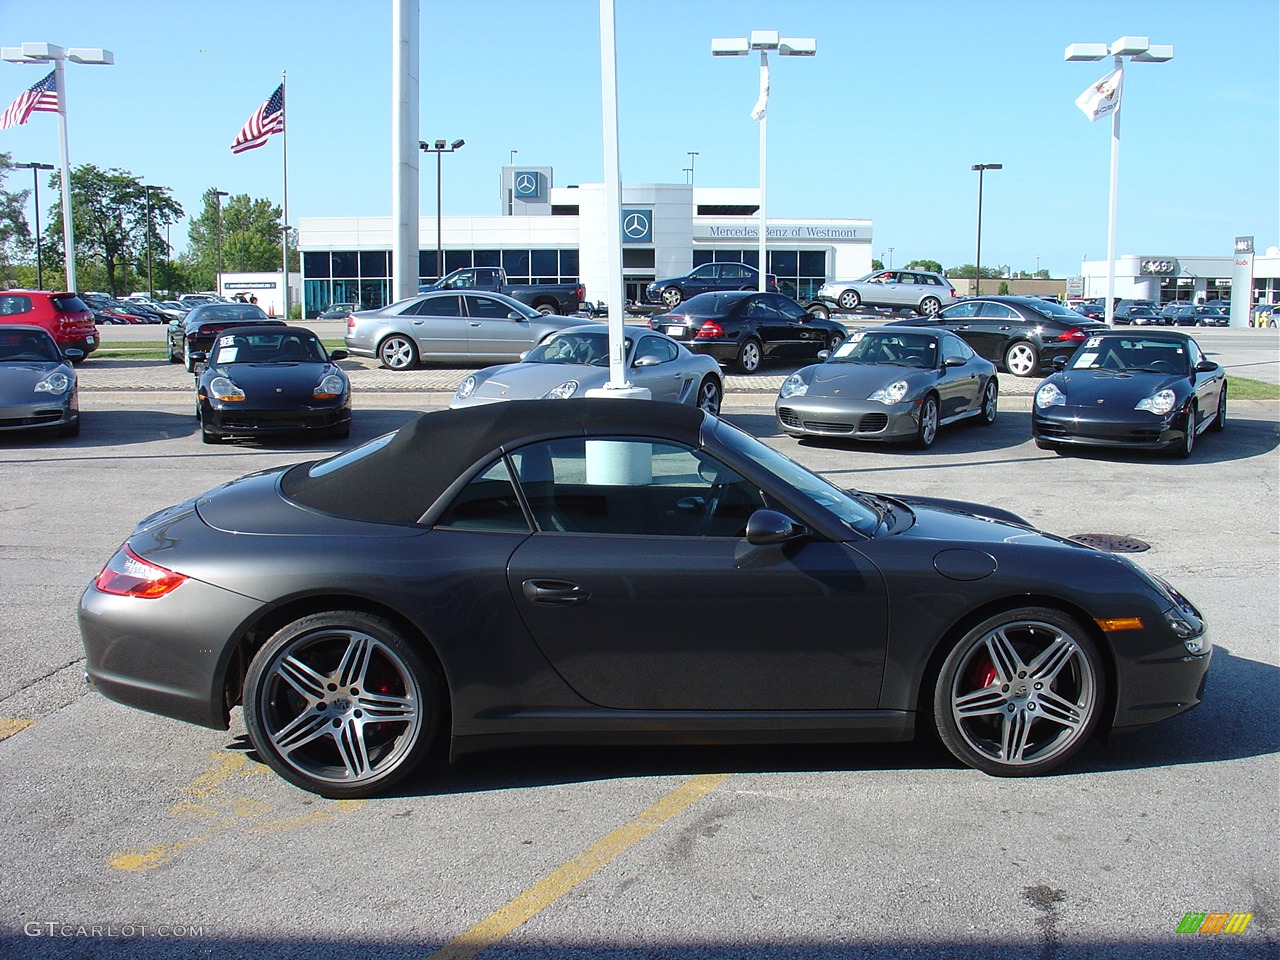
(44, 53)
(1141, 50)
(764, 41)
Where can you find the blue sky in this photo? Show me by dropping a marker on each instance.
(884, 123)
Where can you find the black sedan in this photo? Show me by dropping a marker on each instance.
(265, 380)
(1147, 390)
(38, 386)
(1019, 334)
(196, 332)
(707, 278)
(624, 571)
(745, 328)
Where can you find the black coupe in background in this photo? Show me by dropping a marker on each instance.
(267, 380)
(1149, 390)
(619, 571)
(196, 332)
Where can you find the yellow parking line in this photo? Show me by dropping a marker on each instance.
(11, 725)
(563, 879)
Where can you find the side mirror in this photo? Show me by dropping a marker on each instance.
(953, 361)
(1060, 363)
(1206, 366)
(823, 354)
(766, 527)
(338, 355)
(199, 356)
(514, 316)
(646, 362)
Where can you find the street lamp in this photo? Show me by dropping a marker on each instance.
(43, 53)
(217, 239)
(151, 289)
(1141, 50)
(440, 147)
(692, 159)
(764, 41)
(981, 168)
(512, 159)
(35, 169)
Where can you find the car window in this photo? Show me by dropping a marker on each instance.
(632, 487)
(790, 309)
(589, 348)
(656, 348)
(488, 502)
(953, 346)
(447, 306)
(486, 307)
(998, 311)
(72, 304)
(705, 272)
(12, 304)
(1132, 354)
(964, 310)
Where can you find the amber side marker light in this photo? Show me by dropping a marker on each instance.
(1120, 623)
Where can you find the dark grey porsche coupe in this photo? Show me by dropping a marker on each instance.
(616, 571)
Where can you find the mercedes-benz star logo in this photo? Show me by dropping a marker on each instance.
(636, 225)
(525, 183)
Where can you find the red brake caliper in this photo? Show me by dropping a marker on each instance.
(983, 673)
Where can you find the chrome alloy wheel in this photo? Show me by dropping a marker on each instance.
(1022, 694)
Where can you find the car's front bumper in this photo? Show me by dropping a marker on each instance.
(857, 419)
(50, 413)
(229, 420)
(1079, 426)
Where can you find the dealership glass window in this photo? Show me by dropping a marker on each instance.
(638, 257)
(568, 266)
(544, 263)
(486, 258)
(456, 260)
(373, 263)
(345, 263)
(516, 263)
(800, 272)
(316, 265)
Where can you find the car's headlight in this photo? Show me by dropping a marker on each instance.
(891, 394)
(466, 388)
(1159, 403)
(793, 386)
(55, 383)
(222, 388)
(330, 387)
(562, 392)
(1050, 396)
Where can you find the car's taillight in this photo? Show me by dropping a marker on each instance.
(1075, 333)
(710, 330)
(351, 321)
(128, 575)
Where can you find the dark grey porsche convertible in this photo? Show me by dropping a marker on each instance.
(616, 571)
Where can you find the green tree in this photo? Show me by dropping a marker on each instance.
(248, 231)
(112, 221)
(933, 266)
(968, 271)
(1004, 288)
(877, 264)
(15, 235)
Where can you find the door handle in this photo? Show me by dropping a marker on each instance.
(1005, 327)
(557, 592)
(473, 323)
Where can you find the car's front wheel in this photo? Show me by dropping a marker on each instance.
(1022, 359)
(341, 704)
(1220, 421)
(927, 426)
(1020, 693)
(990, 403)
(1182, 449)
(397, 352)
(849, 300)
(672, 297)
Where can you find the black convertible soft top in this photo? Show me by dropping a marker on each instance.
(398, 482)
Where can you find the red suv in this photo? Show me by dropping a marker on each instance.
(64, 315)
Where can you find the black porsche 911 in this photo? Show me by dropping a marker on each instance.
(1146, 390)
(260, 381)
(530, 573)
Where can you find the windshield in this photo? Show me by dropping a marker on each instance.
(917, 350)
(286, 346)
(851, 510)
(589, 349)
(1131, 355)
(1050, 309)
(33, 345)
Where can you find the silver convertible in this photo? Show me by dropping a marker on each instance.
(577, 360)
(890, 383)
(449, 325)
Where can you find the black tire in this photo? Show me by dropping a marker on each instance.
(1022, 358)
(341, 433)
(398, 352)
(186, 360)
(819, 310)
(547, 309)
(929, 306)
(1220, 421)
(849, 300)
(990, 403)
(168, 351)
(749, 356)
(833, 341)
(1183, 448)
(72, 429)
(710, 395)
(207, 436)
(340, 669)
(672, 297)
(1020, 693)
(1045, 444)
(927, 428)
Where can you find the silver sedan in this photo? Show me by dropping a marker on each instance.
(577, 360)
(889, 383)
(449, 325)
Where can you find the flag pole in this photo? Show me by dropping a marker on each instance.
(284, 153)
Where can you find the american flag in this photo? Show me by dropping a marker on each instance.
(41, 96)
(266, 120)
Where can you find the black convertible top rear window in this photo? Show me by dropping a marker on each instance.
(397, 482)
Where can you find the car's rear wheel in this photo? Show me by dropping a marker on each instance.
(341, 704)
(849, 300)
(710, 396)
(990, 403)
(927, 427)
(929, 306)
(397, 352)
(1020, 693)
(1220, 421)
(749, 356)
(833, 341)
(547, 309)
(819, 310)
(672, 297)
(168, 352)
(1022, 359)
